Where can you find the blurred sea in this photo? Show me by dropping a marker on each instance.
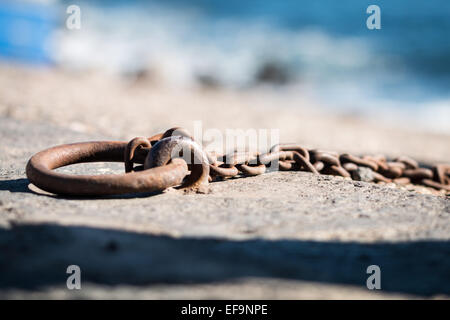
(320, 49)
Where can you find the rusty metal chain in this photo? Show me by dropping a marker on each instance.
(159, 170)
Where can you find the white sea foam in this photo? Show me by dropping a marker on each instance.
(342, 72)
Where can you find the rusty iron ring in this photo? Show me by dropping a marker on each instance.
(131, 150)
(40, 172)
(168, 149)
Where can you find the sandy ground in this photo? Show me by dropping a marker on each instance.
(281, 235)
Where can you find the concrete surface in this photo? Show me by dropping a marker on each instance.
(280, 235)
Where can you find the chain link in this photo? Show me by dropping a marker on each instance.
(158, 171)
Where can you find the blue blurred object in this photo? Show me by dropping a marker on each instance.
(25, 31)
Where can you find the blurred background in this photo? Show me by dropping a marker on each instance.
(319, 50)
(311, 69)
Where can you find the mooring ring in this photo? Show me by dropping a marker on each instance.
(40, 172)
(171, 148)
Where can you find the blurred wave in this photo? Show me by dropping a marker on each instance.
(320, 49)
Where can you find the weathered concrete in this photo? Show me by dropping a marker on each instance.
(280, 235)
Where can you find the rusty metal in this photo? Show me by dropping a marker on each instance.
(435, 184)
(267, 158)
(336, 171)
(130, 154)
(410, 163)
(379, 177)
(402, 180)
(174, 159)
(319, 165)
(40, 172)
(155, 138)
(291, 147)
(350, 166)
(394, 170)
(418, 173)
(442, 173)
(251, 170)
(327, 158)
(358, 161)
(287, 165)
(304, 162)
(171, 147)
(237, 158)
(380, 161)
(222, 170)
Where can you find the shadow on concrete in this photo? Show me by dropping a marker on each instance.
(33, 256)
(14, 185)
(23, 186)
